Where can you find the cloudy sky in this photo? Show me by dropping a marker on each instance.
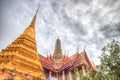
(78, 23)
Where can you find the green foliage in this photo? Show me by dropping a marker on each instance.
(91, 74)
(98, 76)
(110, 64)
(75, 72)
(110, 61)
(79, 73)
(85, 78)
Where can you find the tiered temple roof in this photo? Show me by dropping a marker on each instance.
(66, 63)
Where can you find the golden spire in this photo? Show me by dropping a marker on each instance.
(29, 35)
(34, 19)
(22, 54)
(30, 31)
(58, 51)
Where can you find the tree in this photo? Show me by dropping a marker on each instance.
(75, 73)
(98, 76)
(110, 61)
(85, 78)
(81, 73)
(91, 74)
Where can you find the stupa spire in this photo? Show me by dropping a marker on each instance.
(34, 18)
(22, 54)
(30, 31)
(58, 51)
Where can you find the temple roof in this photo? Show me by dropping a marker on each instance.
(75, 60)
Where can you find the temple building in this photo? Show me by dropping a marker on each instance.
(61, 67)
(20, 60)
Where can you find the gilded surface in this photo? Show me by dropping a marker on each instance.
(20, 61)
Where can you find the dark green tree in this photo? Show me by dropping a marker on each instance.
(110, 61)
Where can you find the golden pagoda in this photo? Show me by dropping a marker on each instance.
(20, 60)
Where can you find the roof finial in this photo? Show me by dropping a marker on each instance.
(84, 47)
(77, 51)
(66, 55)
(47, 54)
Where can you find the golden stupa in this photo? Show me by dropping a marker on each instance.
(20, 60)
